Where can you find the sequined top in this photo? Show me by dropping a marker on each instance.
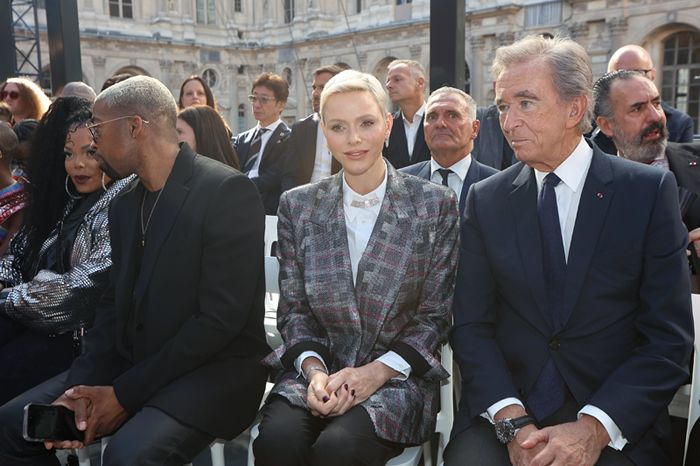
(13, 198)
(56, 303)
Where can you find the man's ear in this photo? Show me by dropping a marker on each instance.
(605, 126)
(577, 111)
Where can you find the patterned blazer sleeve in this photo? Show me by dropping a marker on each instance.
(419, 342)
(298, 326)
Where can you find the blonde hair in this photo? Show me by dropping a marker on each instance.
(354, 81)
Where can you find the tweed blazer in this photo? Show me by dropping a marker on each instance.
(401, 300)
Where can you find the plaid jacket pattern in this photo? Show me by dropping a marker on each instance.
(402, 300)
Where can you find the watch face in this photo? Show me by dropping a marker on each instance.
(505, 431)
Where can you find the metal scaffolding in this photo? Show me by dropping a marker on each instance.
(25, 39)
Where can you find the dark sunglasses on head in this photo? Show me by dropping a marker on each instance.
(13, 95)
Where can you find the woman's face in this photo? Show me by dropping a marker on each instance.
(185, 133)
(356, 128)
(83, 169)
(12, 96)
(193, 94)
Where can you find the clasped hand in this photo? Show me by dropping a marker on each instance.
(97, 413)
(334, 394)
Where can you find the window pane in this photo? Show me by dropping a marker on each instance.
(114, 9)
(211, 11)
(127, 11)
(200, 12)
(683, 56)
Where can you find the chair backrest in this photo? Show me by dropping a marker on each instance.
(694, 404)
(270, 235)
(272, 272)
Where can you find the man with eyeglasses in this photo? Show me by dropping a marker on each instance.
(635, 58)
(262, 149)
(172, 360)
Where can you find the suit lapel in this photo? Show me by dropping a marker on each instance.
(398, 138)
(125, 217)
(244, 146)
(523, 199)
(384, 262)
(473, 175)
(308, 145)
(598, 191)
(165, 214)
(418, 146)
(270, 151)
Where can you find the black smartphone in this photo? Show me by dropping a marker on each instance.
(50, 422)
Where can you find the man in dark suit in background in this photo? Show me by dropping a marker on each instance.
(573, 323)
(173, 359)
(490, 146)
(635, 58)
(450, 128)
(405, 84)
(308, 158)
(262, 150)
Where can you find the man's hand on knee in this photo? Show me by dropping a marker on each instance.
(81, 408)
(106, 414)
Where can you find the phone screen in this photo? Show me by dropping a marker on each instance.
(50, 422)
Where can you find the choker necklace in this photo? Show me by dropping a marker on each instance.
(144, 228)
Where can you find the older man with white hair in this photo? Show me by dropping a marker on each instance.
(172, 361)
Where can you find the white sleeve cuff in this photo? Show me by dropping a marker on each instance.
(307, 354)
(499, 405)
(617, 440)
(396, 362)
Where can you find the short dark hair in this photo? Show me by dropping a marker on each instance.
(601, 91)
(332, 69)
(207, 91)
(117, 78)
(276, 83)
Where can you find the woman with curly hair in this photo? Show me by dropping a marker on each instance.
(195, 91)
(206, 132)
(58, 262)
(25, 99)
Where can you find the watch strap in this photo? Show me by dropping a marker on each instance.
(522, 421)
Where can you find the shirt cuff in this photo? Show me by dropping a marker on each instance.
(307, 354)
(499, 405)
(617, 440)
(396, 362)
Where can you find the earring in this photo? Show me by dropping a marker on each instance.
(70, 194)
(103, 181)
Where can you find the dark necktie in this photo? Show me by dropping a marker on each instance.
(549, 391)
(445, 173)
(254, 150)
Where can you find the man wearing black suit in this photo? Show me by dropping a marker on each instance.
(405, 84)
(635, 58)
(308, 158)
(172, 361)
(262, 150)
(573, 324)
(490, 146)
(450, 128)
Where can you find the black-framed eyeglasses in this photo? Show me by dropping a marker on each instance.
(263, 99)
(92, 127)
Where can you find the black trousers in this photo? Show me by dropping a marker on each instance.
(479, 446)
(292, 436)
(150, 437)
(28, 358)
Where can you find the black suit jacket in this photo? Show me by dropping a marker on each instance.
(269, 179)
(477, 172)
(490, 146)
(301, 153)
(184, 333)
(396, 151)
(628, 328)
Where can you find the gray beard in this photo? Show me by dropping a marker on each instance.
(640, 152)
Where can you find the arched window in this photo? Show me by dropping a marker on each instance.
(680, 80)
(241, 118)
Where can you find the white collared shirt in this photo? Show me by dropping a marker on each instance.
(411, 128)
(254, 172)
(572, 172)
(323, 160)
(455, 180)
(359, 223)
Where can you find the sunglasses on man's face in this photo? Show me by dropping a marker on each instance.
(11, 94)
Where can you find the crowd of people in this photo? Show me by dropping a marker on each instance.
(550, 239)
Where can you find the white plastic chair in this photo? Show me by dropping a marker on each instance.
(216, 449)
(445, 417)
(694, 402)
(270, 234)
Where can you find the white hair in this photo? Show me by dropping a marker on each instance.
(143, 96)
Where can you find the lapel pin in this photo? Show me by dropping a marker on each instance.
(600, 195)
(693, 163)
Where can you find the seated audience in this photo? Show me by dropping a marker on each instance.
(262, 150)
(13, 197)
(450, 128)
(573, 323)
(25, 137)
(173, 359)
(367, 264)
(25, 99)
(58, 263)
(206, 132)
(195, 91)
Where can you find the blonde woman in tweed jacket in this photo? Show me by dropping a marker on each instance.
(368, 260)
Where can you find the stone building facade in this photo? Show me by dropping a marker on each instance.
(229, 42)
